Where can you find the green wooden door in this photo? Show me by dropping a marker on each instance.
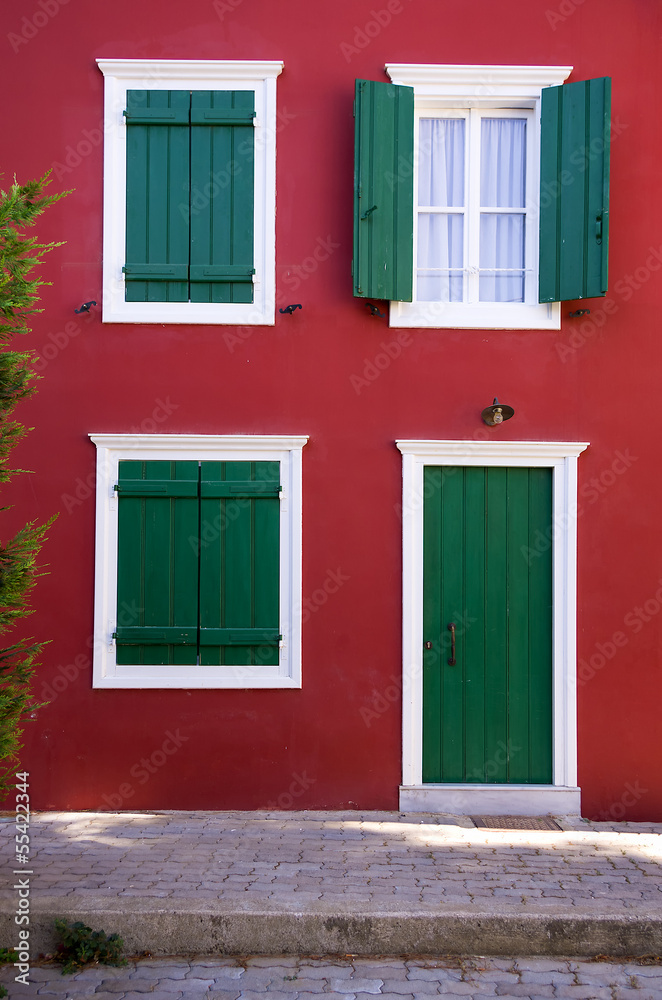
(487, 570)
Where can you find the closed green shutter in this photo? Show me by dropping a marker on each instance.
(157, 564)
(383, 191)
(574, 190)
(239, 563)
(222, 168)
(198, 563)
(157, 196)
(190, 196)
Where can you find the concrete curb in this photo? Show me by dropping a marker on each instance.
(185, 927)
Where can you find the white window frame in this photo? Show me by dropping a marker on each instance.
(121, 75)
(562, 796)
(443, 89)
(113, 448)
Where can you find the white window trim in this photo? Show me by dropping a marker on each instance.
(111, 449)
(121, 75)
(440, 87)
(562, 796)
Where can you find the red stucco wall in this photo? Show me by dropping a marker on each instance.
(596, 380)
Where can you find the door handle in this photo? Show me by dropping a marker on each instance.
(451, 659)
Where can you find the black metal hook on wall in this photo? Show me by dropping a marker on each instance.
(85, 308)
(374, 311)
(290, 309)
(579, 312)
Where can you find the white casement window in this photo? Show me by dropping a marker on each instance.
(198, 561)
(189, 225)
(476, 196)
(474, 236)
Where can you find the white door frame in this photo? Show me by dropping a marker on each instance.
(563, 795)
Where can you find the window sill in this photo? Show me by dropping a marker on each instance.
(192, 677)
(483, 316)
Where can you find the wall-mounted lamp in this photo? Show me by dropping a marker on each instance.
(497, 413)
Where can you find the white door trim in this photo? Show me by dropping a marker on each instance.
(561, 457)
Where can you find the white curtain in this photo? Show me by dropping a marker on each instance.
(502, 185)
(440, 185)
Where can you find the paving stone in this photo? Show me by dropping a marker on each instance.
(356, 984)
(397, 996)
(125, 984)
(551, 977)
(429, 974)
(522, 990)
(584, 992)
(404, 987)
(272, 995)
(153, 970)
(298, 984)
(158, 994)
(188, 987)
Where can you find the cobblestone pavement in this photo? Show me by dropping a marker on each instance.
(287, 978)
(297, 858)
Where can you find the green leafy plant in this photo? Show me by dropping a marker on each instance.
(7, 957)
(80, 945)
(19, 295)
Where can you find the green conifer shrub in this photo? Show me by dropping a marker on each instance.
(19, 295)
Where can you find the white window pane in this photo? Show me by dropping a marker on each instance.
(503, 162)
(440, 257)
(441, 162)
(501, 258)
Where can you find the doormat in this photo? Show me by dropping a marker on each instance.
(515, 822)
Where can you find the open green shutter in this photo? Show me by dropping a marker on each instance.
(383, 191)
(157, 196)
(157, 563)
(222, 210)
(574, 190)
(239, 563)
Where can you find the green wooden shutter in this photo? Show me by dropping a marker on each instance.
(239, 563)
(574, 190)
(157, 196)
(222, 170)
(383, 191)
(157, 564)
